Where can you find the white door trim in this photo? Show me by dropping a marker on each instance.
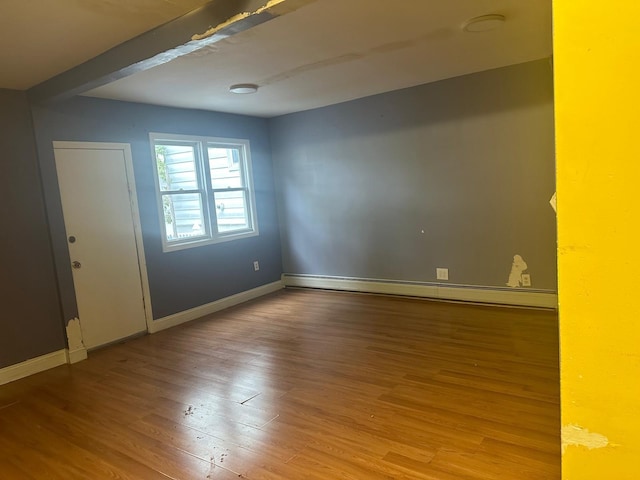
(125, 148)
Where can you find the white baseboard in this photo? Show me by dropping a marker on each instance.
(464, 293)
(209, 308)
(32, 366)
(61, 357)
(77, 355)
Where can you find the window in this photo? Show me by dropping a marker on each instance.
(204, 189)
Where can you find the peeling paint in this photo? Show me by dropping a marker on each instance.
(234, 19)
(517, 267)
(212, 31)
(574, 435)
(74, 335)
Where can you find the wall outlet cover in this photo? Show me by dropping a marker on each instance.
(526, 280)
(256, 265)
(442, 273)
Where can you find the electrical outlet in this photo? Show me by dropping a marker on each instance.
(442, 273)
(526, 280)
(256, 265)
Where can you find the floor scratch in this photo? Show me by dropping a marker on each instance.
(10, 405)
(250, 398)
(264, 425)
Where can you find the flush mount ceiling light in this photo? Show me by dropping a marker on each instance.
(243, 88)
(484, 23)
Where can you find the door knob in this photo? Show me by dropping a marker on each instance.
(76, 265)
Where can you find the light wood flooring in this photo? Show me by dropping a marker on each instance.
(302, 385)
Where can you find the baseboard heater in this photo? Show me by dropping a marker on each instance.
(523, 297)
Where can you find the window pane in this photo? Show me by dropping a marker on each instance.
(225, 167)
(183, 216)
(176, 167)
(231, 211)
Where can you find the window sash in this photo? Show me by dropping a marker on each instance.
(243, 205)
(193, 157)
(237, 171)
(185, 228)
(247, 219)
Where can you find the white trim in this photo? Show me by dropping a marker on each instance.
(88, 145)
(137, 230)
(209, 308)
(75, 356)
(125, 148)
(205, 191)
(465, 293)
(32, 366)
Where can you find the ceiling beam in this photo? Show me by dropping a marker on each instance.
(214, 21)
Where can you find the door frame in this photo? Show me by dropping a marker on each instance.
(125, 148)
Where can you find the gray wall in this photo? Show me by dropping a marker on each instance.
(469, 160)
(30, 323)
(183, 279)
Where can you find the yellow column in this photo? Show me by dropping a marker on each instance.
(597, 97)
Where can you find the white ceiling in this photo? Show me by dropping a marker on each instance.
(324, 53)
(42, 38)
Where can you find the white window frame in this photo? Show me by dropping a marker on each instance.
(206, 191)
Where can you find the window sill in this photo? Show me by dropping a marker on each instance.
(201, 242)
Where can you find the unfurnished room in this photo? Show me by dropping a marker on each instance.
(319, 239)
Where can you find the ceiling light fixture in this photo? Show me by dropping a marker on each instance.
(243, 88)
(484, 23)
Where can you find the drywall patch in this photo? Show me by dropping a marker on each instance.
(517, 268)
(309, 67)
(575, 435)
(74, 335)
(353, 56)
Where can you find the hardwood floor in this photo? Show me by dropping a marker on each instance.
(302, 385)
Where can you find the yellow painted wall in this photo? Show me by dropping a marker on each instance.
(597, 75)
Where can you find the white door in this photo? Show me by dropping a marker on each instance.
(100, 217)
